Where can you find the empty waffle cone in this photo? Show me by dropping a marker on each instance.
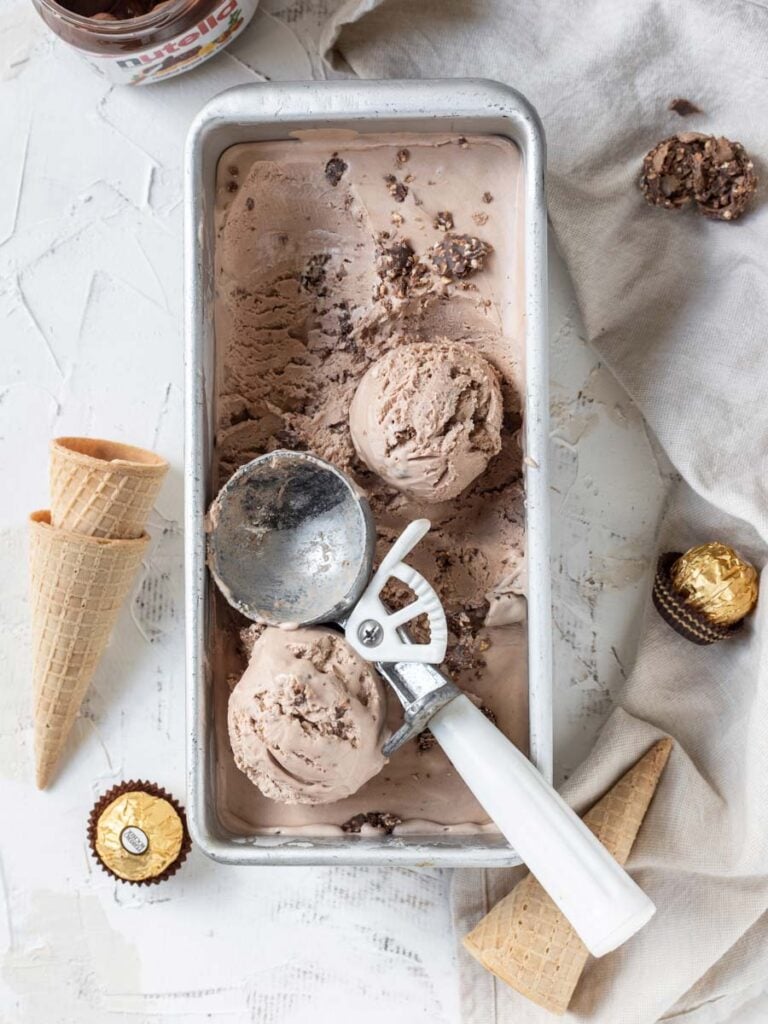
(77, 586)
(103, 488)
(525, 940)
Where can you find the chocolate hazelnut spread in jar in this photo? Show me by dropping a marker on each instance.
(136, 42)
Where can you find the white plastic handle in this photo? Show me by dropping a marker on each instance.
(602, 903)
(389, 646)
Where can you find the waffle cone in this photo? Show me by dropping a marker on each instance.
(525, 940)
(77, 587)
(103, 488)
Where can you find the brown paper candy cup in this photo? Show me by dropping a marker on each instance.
(686, 621)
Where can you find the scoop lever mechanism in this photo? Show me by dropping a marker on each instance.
(378, 634)
(375, 632)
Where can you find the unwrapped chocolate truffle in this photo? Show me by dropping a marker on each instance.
(710, 171)
(138, 833)
(705, 593)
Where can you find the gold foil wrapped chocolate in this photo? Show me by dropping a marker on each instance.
(138, 833)
(717, 582)
(705, 593)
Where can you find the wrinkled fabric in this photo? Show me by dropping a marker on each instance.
(677, 306)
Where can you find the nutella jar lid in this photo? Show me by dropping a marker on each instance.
(137, 42)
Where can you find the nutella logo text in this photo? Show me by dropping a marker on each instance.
(228, 10)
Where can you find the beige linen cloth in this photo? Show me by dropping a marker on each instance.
(678, 307)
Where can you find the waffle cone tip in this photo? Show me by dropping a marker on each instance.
(525, 940)
(44, 772)
(659, 753)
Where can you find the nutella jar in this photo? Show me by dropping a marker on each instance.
(136, 42)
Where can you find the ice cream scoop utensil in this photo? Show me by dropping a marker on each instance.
(292, 542)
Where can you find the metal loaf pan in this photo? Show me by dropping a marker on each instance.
(273, 111)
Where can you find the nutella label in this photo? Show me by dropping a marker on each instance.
(185, 51)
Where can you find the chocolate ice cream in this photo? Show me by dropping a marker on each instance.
(333, 253)
(305, 720)
(427, 418)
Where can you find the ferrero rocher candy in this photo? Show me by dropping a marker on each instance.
(714, 580)
(705, 593)
(138, 833)
(713, 172)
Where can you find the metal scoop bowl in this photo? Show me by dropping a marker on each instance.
(291, 543)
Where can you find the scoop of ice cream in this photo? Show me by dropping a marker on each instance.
(427, 418)
(305, 720)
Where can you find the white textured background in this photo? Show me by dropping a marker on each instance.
(91, 306)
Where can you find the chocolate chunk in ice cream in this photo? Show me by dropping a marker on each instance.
(312, 278)
(334, 169)
(457, 256)
(396, 265)
(306, 719)
(397, 189)
(426, 741)
(427, 418)
(381, 821)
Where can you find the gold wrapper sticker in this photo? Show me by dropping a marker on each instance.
(138, 834)
(717, 582)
